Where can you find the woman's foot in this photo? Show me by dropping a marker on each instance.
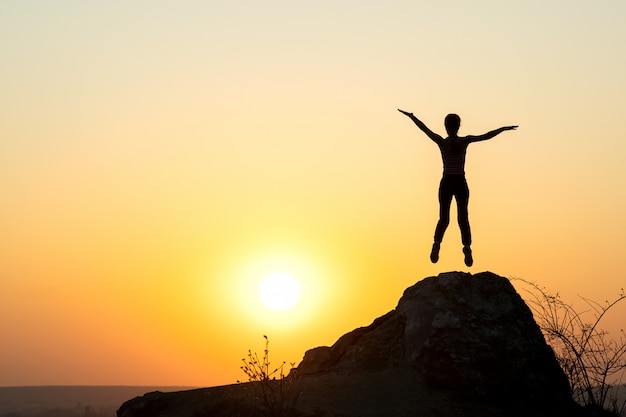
(469, 261)
(434, 253)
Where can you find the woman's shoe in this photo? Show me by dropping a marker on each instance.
(469, 261)
(434, 253)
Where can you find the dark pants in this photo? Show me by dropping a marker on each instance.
(453, 186)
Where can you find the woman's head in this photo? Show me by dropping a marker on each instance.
(452, 123)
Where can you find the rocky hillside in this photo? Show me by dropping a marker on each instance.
(456, 345)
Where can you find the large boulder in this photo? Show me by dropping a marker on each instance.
(469, 334)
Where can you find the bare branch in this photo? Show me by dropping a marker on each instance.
(591, 360)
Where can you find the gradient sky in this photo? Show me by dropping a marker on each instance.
(157, 159)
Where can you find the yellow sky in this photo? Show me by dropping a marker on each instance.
(157, 160)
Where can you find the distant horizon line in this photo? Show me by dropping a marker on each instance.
(97, 386)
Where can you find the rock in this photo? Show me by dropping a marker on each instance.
(456, 344)
(378, 346)
(475, 334)
(469, 334)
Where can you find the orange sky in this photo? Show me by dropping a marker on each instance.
(157, 161)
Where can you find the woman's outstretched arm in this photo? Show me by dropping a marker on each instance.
(491, 134)
(432, 135)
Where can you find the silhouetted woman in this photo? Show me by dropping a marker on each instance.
(453, 183)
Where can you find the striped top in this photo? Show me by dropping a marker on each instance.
(453, 155)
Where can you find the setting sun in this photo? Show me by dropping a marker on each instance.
(267, 284)
(279, 291)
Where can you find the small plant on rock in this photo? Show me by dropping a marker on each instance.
(273, 389)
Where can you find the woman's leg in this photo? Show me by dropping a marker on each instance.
(445, 200)
(462, 202)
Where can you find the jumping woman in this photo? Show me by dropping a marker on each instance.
(453, 183)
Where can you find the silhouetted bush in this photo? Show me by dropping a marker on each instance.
(273, 392)
(593, 362)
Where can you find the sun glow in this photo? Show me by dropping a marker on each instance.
(276, 290)
(279, 291)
